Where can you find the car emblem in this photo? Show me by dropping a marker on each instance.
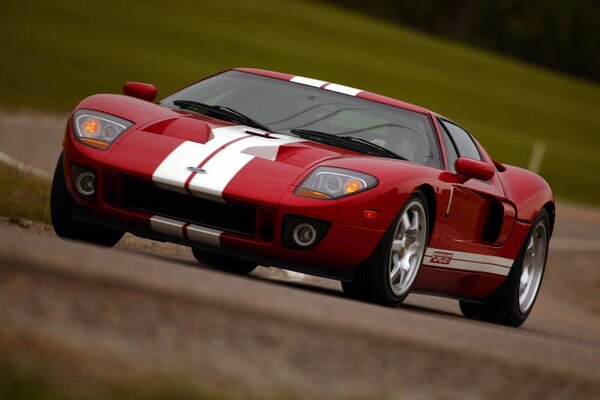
(441, 258)
(196, 170)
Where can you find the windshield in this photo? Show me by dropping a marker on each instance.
(283, 106)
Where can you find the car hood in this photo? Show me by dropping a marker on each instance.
(216, 160)
(221, 161)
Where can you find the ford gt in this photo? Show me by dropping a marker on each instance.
(251, 167)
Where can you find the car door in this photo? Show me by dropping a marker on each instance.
(475, 212)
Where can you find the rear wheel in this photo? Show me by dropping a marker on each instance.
(224, 263)
(514, 299)
(62, 205)
(389, 275)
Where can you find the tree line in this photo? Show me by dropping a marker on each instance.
(559, 34)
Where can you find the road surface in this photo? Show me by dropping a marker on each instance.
(145, 309)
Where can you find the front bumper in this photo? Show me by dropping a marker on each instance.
(342, 274)
(242, 228)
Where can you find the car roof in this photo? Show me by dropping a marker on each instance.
(363, 94)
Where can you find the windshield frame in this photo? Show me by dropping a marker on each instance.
(341, 103)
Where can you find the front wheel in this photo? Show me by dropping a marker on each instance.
(224, 263)
(389, 275)
(513, 301)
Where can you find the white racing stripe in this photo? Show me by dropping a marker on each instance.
(308, 81)
(180, 229)
(441, 258)
(220, 171)
(167, 225)
(334, 87)
(223, 157)
(172, 173)
(204, 234)
(226, 164)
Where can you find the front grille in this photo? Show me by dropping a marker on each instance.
(139, 196)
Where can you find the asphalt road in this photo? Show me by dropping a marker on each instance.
(124, 314)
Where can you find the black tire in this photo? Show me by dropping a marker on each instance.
(513, 301)
(374, 280)
(61, 208)
(223, 263)
(473, 310)
(350, 289)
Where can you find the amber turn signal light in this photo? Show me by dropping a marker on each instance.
(91, 126)
(300, 191)
(352, 186)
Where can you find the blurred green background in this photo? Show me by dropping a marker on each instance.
(55, 53)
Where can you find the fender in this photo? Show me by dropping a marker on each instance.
(135, 110)
(528, 191)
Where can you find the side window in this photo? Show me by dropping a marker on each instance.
(450, 148)
(462, 140)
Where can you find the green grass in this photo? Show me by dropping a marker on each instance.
(55, 53)
(23, 196)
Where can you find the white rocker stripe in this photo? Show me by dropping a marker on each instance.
(308, 81)
(473, 257)
(180, 229)
(469, 262)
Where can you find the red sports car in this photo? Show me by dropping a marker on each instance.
(255, 167)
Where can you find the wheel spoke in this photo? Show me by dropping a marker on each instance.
(529, 253)
(398, 245)
(404, 269)
(402, 277)
(413, 248)
(406, 262)
(405, 223)
(396, 271)
(524, 278)
(530, 244)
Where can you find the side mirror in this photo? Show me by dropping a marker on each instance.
(467, 168)
(140, 90)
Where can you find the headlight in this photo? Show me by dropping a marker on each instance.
(98, 129)
(331, 183)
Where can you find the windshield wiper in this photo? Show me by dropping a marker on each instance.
(375, 146)
(350, 142)
(225, 112)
